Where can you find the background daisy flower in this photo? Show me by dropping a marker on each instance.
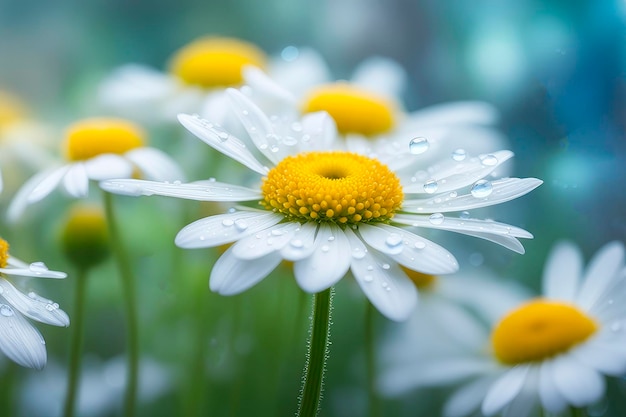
(551, 352)
(97, 149)
(329, 210)
(19, 340)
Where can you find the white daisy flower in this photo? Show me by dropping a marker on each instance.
(97, 149)
(197, 75)
(551, 352)
(19, 340)
(330, 210)
(368, 111)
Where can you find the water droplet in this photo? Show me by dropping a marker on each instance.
(289, 53)
(358, 253)
(222, 135)
(325, 248)
(290, 141)
(296, 127)
(464, 215)
(370, 268)
(420, 245)
(241, 225)
(481, 189)
(393, 240)
(436, 218)
(6, 310)
(52, 306)
(453, 194)
(368, 278)
(459, 155)
(277, 232)
(274, 149)
(488, 160)
(38, 267)
(418, 145)
(331, 238)
(227, 222)
(386, 266)
(245, 112)
(430, 186)
(296, 243)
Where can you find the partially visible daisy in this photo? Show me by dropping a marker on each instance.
(195, 80)
(330, 210)
(369, 113)
(551, 352)
(97, 149)
(19, 340)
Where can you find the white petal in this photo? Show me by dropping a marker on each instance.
(551, 399)
(579, 384)
(382, 281)
(17, 263)
(302, 243)
(258, 80)
(461, 112)
(328, 262)
(23, 196)
(504, 390)
(34, 270)
(319, 132)
(562, 272)
(201, 191)
(219, 139)
(607, 358)
(262, 243)
(224, 228)
(76, 182)
(33, 306)
(1, 183)
(19, 340)
(155, 164)
(503, 190)
(601, 271)
(451, 175)
(409, 249)
(108, 166)
(467, 399)
(381, 75)
(47, 183)
(231, 275)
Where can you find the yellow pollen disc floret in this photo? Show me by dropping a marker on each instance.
(11, 110)
(340, 187)
(92, 137)
(4, 253)
(215, 62)
(421, 280)
(538, 330)
(354, 110)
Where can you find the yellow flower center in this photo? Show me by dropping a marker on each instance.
(92, 137)
(538, 330)
(421, 280)
(340, 187)
(354, 110)
(215, 62)
(4, 253)
(11, 110)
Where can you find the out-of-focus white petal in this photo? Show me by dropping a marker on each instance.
(219, 139)
(461, 112)
(381, 75)
(22, 197)
(155, 164)
(382, 281)
(578, 383)
(201, 191)
(299, 75)
(108, 166)
(260, 244)
(601, 271)
(47, 183)
(562, 272)
(34, 270)
(409, 249)
(503, 190)
(224, 228)
(551, 399)
(608, 358)
(19, 340)
(467, 399)
(75, 181)
(34, 306)
(328, 262)
(504, 390)
(259, 81)
(231, 275)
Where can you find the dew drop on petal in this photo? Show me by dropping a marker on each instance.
(489, 160)
(393, 240)
(465, 215)
(481, 189)
(418, 145)
(227, 222)
(38, 267)
(368, 278)
(370, 268)
(386, 266)
(459, 155)
(325, 248)
(331, 238)
(436, 218)
(358, 253)
(430, 186)
(296, 243)
(241, 225)
(420, 245)
(6, 310)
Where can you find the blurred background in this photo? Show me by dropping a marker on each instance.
(555, 70)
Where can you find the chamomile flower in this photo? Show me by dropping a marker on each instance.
(330, 210)
(551, 352)
(97, 149)
(368, 111)
(19, 340)
(195, 81)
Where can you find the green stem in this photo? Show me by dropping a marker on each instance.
(317, 354)
(578, 412)
(128, 293)
(78, 320)
(370, 358)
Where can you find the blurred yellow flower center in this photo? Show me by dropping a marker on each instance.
(4, 253)
(538, 330)
(421, 280)
(354, 110)
(92, 137)
(340, 187)
(215, 62)
(11, 110)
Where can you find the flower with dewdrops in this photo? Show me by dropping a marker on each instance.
(197, 75)
(368, 111)
(551, 352)
(97, 149)
(330, 210)
(19, 340)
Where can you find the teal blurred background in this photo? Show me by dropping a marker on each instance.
(556, 71)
